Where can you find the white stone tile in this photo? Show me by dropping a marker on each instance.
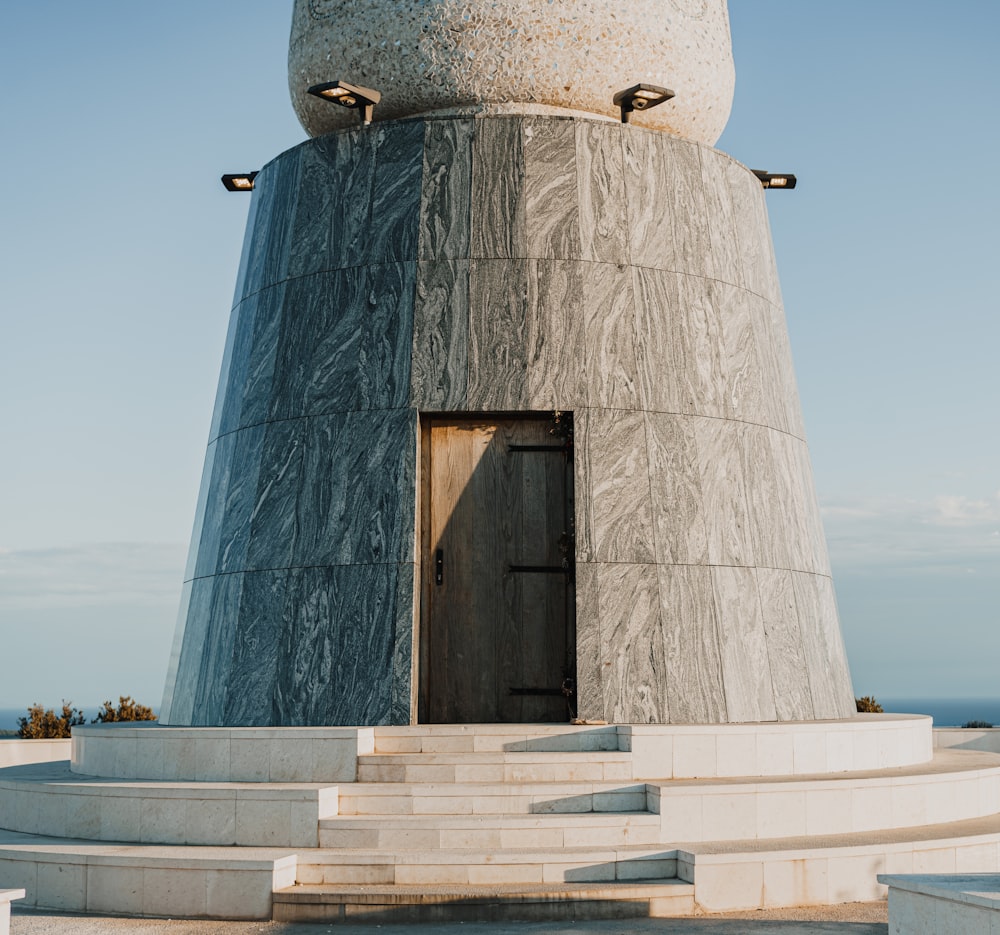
(211, 821)
(64, 885)
(808, 752)
(909, 804)
(681, 818)
(729, 816)
(723, 886)
(975, 858)
(828, 811)
(652, 756)
(801, 882)
(262, 823)
(775, 756)
(869, 807)
(211, 760)
(174, 892)
(303, 825)
(430, 874)
(839, 751)
(736, 754)
(781, 814)
(909, 914)
(334, 760)
(291, 761)
(956, 918)
(694, 755)
(238, 894)
(120, 818)
(163, 820)
(114, 889)
(936, 860)
(249, 760)
(853, 878)
(511, 873)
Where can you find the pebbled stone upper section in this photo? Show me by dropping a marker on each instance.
(431, 55)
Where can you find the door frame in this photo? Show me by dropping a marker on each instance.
(422, 588)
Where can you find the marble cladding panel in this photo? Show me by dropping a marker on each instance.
(751, 228)
(446, 201)
(216, 658)
(795, 500)
(247, 399)
(204, 492)
(206, 553)
(498, 197)
(193, 634)
(439, 373)
(253, 673)
(632, 651)
(783, 633)
(823, 647)
(667, 208)
(786, 370)
(173, 663)
(335, 489)
(746, 671)
(394, 224)
(767, 510)
(694, 682)
(743, 380)
(346, 341)
(498, 321)
(727, 261)
(240, 501)
(555, 335)
(551, 210)
(612, 477)
(679, 347)
(276, 189)
(601, 192)
(335, 656)
(248, 233)
(610, 372)
(775, 406)
(238, 327)
(589, 686)
(402, 698)
(723, 486)
(681, 529)
(814, 521)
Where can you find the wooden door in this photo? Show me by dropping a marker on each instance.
(497, 601)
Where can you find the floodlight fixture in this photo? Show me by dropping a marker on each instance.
(240, 182)
(640, 97)
(349, 95)
(775, 179)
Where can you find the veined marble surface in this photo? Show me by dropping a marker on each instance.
(504, 264)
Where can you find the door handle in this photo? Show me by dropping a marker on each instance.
(439, 566)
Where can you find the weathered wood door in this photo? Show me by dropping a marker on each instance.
(497, 602)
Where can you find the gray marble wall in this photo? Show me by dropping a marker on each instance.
(500, 263)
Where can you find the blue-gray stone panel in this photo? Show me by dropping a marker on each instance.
(506, 263)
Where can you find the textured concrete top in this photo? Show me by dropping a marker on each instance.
(429, 55)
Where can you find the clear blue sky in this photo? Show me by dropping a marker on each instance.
(118, 255)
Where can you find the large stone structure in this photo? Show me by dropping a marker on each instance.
(485, 266)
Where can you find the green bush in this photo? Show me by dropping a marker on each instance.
(977, 724)
(44, 724)
(868, 705)
(127, 710)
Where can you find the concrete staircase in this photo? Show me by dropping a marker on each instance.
(488, 822)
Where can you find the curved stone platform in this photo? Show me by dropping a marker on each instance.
(527, 821)
(151, 751)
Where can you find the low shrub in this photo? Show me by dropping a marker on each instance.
(868, 705)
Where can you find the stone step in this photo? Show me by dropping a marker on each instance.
(821, 870)
(957, 785)
(490, 798)
(492, 903)
(145, 880)
(49, 799)
(482, 866)
(511, 767)
(497, 738)
(491, 831)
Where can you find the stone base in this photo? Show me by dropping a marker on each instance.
(943, 904)
(146, 750)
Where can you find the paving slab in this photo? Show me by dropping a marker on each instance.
(848, 919)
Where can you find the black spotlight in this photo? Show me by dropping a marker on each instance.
(775, 179)
(640, 97)
(243, 182)
(349, 95)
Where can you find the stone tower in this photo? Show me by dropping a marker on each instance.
(507, 427)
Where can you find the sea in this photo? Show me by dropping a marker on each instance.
(947, 712)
